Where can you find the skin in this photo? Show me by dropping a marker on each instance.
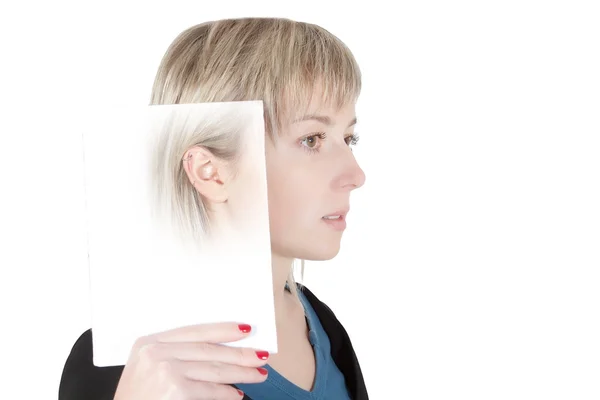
(308, 177)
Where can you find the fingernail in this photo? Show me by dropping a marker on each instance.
(240, 392)
(262, 371)
(245, 328)
(263, 355)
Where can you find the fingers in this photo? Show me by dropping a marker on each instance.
(193, 362)
(205, 352)
(210, 333)
(217, 372)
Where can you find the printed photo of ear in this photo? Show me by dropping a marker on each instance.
(178, 208)
(207, 178)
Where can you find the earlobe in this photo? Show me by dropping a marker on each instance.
(202, 170)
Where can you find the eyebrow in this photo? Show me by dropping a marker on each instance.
(322, 119)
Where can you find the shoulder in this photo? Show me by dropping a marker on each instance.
(338, 336)
(313, 299)
(81, 379)
(326, 315)
(342, 350)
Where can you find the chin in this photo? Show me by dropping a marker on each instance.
(312, 247)
(320, 253)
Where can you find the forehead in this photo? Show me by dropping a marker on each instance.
(310, 106)
(326, 114)
(312, 99)
(345, 116)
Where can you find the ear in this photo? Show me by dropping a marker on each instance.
(206, 173)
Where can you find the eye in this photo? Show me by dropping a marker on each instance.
(312, 143)
(352, 140)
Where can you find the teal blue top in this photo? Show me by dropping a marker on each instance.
(329, 381)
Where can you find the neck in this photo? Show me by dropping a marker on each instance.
(281, 269)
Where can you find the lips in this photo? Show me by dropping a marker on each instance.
(337, 215)
(336, 220)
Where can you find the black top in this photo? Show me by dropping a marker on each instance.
(81, 380)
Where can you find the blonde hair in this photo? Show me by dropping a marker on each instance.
(276, 60)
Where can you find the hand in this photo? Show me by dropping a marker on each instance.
(191, 363)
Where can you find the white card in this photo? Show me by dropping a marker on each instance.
(144, 277)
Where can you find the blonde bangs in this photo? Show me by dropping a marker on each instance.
(320, 64)
(276, 60)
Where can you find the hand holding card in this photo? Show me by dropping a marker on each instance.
(190, 362)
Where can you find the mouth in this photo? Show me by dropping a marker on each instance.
(339, 214)
(336, 220)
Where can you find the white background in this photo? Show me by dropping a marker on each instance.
(470, 268)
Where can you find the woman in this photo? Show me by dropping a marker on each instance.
(309, 83)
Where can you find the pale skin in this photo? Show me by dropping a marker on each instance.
(309, 175)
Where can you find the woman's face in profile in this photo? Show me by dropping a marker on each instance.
(311, 172)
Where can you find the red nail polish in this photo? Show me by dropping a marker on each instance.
(245, 328)
(263, 355)
(262, 371)
(240, 392)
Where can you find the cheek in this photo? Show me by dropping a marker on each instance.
(278, 188)
(288, 202)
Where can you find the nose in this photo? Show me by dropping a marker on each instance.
(352, 175)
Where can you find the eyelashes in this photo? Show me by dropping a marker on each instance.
(313, 142)
(353, 139)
